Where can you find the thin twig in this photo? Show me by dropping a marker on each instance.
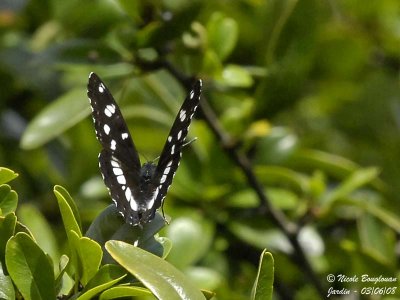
(288, 228)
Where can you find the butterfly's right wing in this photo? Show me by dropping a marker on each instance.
(171, 155)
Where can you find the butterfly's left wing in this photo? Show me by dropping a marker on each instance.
(172, 152)
(119, 161)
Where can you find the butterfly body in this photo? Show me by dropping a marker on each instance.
(137, 190)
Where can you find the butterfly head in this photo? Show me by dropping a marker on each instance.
(147, 171)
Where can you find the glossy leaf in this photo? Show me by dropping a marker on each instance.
(6, 286)
(61, 277)
(106, 277)
(263, 286)
(40, 228)
(236, 76)
(110, 225)
(275, 174)
(89, 255)
(260, 237)
(332, 164)
(353, 182)
(29, 268)
(207, 278)
(160, 277)
(69, 212)
(8, 199)
(124, 291)
(7, 175)
(191, 238)
(60, 115)
(276, 146)
(166, 244)
(7, 229)
(222, 34)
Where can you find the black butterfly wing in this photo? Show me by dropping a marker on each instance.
(172, 152)
(110, 126)
(119, 161)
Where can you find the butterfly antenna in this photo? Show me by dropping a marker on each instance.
(191, 141)
(145, 157)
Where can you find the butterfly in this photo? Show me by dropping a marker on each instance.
(136, 190)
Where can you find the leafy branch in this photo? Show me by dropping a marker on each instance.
(242, 161)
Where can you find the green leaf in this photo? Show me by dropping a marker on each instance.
(69, 211)
(356, 180)
(7, 175)
(60, 115)
(263, 285)
(205, 277)
(389, 218)
(89, 255)
(332, 164)
(275, 146)
(6, 286)
(109, 225)
(166, 244)
(132, 8)
(260, 236)
(282, 175)
(105, 278)
(30, 268)
(7, 229)
(377, 239)
(8, 199)
(40, 228)
(59, 282)
(191, 239)
(236, 76)
(160, 277)
(222, 34)
(124, 291)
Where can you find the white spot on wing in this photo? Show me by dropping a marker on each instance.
(172, 149)
(169, 164)
(106, 129)
(169, 138)
(179, 134)
(150, 204)
(121, 179)
(182, 115)
(109, 110)
(117, 171)
(163, 178)
(191, 95)
(124, 136)
(101, 88)
(166, 171)
(114, 164)
(133, 204)
(113, 145)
